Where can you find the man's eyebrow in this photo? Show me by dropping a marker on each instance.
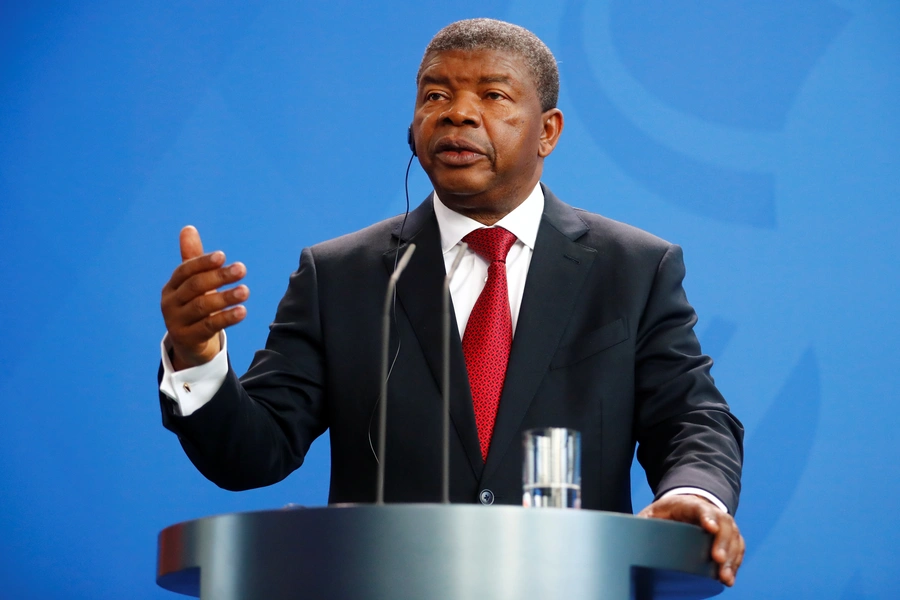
(495, 79)
(432, 79)
(436, 80)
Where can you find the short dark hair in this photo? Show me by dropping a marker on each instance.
(490, 34)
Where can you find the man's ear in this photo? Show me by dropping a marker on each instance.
(552, 121)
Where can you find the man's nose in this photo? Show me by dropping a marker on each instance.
(463, 110)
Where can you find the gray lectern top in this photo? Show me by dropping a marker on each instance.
(433, 551)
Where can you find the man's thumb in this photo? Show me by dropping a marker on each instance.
(191, 246)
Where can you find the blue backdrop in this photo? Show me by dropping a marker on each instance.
(760, 135)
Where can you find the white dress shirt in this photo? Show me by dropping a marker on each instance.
(471, 275)
(191, 388)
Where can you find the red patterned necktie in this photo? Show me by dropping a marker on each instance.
(488, 335)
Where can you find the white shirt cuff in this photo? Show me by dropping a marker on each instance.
(192, 388)
(696, 492)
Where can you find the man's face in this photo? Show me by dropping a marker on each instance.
(479, 130)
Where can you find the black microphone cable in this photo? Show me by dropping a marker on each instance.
(394, 305)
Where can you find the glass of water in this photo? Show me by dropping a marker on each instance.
(551, 473)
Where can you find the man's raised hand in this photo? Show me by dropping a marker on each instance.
(193, 308)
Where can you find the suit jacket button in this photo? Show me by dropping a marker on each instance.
(486, 497)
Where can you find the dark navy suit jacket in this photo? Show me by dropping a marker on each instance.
(604, 344)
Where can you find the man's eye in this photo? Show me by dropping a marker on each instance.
(494, 96)
(433, 96)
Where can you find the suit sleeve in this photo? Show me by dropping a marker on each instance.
(256, 430)
(686, 434)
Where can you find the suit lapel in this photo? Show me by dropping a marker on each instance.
(419, 293)
(558, 269)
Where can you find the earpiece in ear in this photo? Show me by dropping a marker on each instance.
(410, 140)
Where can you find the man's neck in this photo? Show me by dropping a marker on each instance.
(488, 212)
(523, 221)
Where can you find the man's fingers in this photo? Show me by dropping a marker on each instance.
(728, 550)
(710, 522)
(192, 266)
(720, 544)
(739, 555)
(728, 572)
(205, 281)
(206, 328)
(725, 544)
(208, 281)
(735, 550)
(208, 304)
(189, 240)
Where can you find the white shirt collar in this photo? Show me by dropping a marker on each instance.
(523, 221)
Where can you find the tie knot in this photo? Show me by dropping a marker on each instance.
(491, 243)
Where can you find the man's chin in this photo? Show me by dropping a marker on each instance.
(460, 185)
(467, 202)
(462, 198)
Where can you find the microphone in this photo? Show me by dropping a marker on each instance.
(385, 350)
(445, 375)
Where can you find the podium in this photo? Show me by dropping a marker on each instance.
(434, 551)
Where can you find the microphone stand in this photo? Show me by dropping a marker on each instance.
(445, 375)
(385, 350)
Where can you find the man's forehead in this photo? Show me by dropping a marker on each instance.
(482, 64)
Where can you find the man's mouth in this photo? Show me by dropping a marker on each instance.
(458, 152)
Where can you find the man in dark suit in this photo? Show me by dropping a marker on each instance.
(595, 332)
